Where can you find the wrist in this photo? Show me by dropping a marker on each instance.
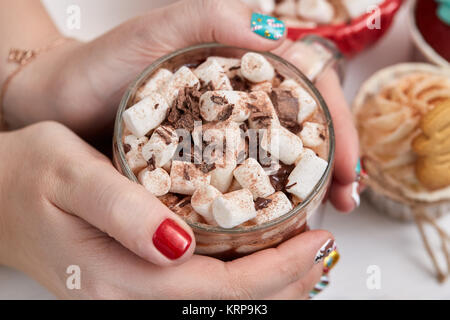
(31, 95)
(5, 230)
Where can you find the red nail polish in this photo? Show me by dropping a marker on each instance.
(171, 240)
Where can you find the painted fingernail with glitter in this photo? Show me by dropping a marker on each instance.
(358, 170)
(331, 261)
(268, 27)
(325, 250)
(320, 286)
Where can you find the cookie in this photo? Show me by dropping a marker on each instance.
(433, 148)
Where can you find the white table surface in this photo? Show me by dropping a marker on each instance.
(365, 238)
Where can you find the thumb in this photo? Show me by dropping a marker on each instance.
(129, 213)
(229, 22)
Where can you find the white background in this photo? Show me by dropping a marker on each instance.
(364, 237)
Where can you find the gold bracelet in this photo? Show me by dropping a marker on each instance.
(22, 57)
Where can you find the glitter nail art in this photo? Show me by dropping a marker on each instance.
(330, 261)
(325, 250)
(267, 26)
(358, 169)
(320, 286)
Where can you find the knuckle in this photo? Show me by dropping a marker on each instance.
(290, 271)
(289, 268)
(47, 127)
(116, 206)
(71, 172)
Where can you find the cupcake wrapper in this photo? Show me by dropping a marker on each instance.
(400, 211)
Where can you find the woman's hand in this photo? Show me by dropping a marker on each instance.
(57, 194)
(80, 85)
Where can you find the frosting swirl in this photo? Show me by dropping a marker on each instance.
(388, 122)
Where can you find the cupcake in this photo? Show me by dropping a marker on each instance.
(403, 118)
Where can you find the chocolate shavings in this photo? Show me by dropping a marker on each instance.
(226, 113)
(262, 203)
(186, 175)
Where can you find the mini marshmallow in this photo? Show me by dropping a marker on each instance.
(167, 166)
(155, 83)
(231, 66)
(215, 134)
(312, 134)
(135, 161)
(186, 177)
(282, 144)
(306, 174)
(156, 181)
(287, 8)
(306, 152)
(263, 113)
(308, 105)
(181, 79)
(146, 115)
(218, 132)
(202, 201)
(161, 146)
(320, 11)
(134, 142)
(266, 6)
(235, 186)
(212, 71)
(294, 22)
(134, 157)
(252, 176)
(274, 206)
(273, 168)
(222, 175)
(234, 208)
(223, 105)
(256, 68)
(265, 86)
(356, 8)
(184, 209)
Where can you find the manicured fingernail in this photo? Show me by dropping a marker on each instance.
(171, 240)
(325, 250)
(331, 261)
(355, 194)
(267, 26)
(320, 286)
(358, 170)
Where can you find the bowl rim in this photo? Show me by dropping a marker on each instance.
(129, 93)
(352, 21)
(420, 41)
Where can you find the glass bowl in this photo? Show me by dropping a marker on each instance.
(215, 241)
